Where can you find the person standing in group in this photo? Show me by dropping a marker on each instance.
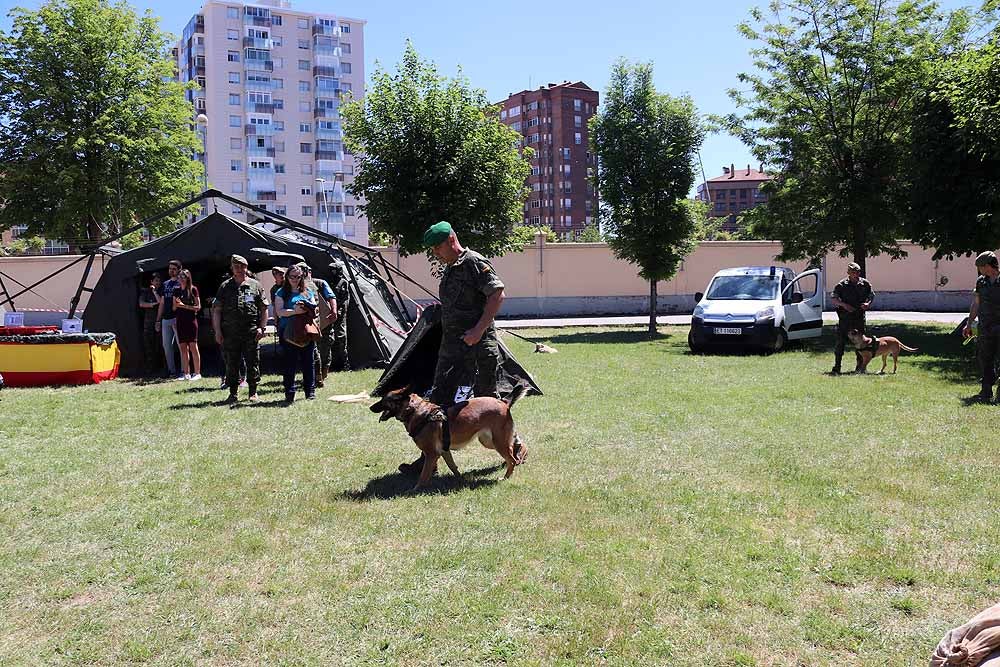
(149, 303)
(166, 316)
(187, 305)
(327, 315)
(342, 292)
(852, 297)
(278, 274)
(471, 294)
(986, 306)
(239, 317)
(294, 299)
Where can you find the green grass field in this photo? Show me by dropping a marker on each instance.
(675, 510)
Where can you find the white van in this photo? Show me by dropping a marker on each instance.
(758, 306)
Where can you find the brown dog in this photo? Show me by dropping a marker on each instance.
(486, 419)
(871, 347)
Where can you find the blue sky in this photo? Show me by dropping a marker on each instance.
(505, 48)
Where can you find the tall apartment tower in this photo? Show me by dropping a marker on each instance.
(553, 122)
(271, 81)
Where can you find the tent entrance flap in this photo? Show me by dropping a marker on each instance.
(414, 362)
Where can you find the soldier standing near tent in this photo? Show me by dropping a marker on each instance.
(239, 317)
(471, 294)
(342, 292)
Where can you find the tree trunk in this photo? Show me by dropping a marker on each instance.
(652, 307)
(860, 248)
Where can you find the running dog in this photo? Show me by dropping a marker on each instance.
(871, 347)
(437, 430)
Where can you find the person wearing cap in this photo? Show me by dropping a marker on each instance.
(239, 317)
(342, 299)
(471, 294)
(986, 306)
(852, 297)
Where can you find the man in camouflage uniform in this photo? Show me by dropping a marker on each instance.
(853, 297)
(342, 294)
(471, 294)
(239, 317)
(986, 305)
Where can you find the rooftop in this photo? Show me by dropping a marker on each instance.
(729, 174)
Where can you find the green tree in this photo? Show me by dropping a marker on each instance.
(830, 107)
(94, 134)
(955, 143)
(590, 234)
(645, 143)
(430, 148)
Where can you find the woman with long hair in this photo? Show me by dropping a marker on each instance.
(294, 299)
(187, 304)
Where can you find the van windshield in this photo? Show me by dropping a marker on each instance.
(743, 288)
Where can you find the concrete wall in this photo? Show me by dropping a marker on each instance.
(586, 279)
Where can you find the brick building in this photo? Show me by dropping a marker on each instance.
(553, 121)
(734, 192)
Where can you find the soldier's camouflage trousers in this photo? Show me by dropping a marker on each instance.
(243, 346)
(460, 365)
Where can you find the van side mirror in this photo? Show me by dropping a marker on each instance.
(698, 296)
(796, 297)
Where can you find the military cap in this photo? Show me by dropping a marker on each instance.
(303, 266)
(279, 269)
(437, 233)
(239, 259)
(854, 266)
(336, 266)
(988, 257)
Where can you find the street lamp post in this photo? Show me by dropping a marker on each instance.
(326, 203)
(202, 121)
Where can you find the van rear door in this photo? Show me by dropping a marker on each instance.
(803, 303)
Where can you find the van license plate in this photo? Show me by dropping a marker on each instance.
(728, 331)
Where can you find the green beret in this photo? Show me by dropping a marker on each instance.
(853, 266)
(984, 258)
(239, 259)
(437, 233)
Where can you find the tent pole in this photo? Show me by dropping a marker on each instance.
(75, 301)
(4, 292)
(402, 304)
(10, 299)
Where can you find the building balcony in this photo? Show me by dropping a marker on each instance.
(255, 84)
(327, 87)
(255, 151)
(258, 43)
(325, 70)
(260, 107)
(327, 30)
(263, 195)
(323, 112)
(329, 155)
(263, 65)
(330, 135)
(261, 21)
(198, 71)
(258, 130)
(329, 169)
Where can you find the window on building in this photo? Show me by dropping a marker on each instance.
(307, 211)
(275, 19)
(305, 191)
(345, 87)
(345, 27)
(515, 111)
(232, 12)
(236, 165)
(307, 170)
(235, 121)
(304, 44)
(235, 143)
(233, 56)
(305, 148)
(281, 209)
(279, 126)
(305, 106)
(234, 77)
(305, 127)
(277, 62)
(234, 99)
(200, 80)
(577, 138)
(349, 169)
(233, 35)
(566, 169)
(278, 103)
(304, 86)
(743, 193)
(277, 40)
(532, 106)
(535, 171)
(279, 146)
(279, 168)
(345, 49)
(565, 153)
(349, 211)
(503, 114)
(304, 65)
(237, 187)
(345, 68)
(578, 121)
(577, 105)
(277, 84)
(535, 203)
(303, 24)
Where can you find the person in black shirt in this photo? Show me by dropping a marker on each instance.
(853, 297)
(149, 303)
(986, 305)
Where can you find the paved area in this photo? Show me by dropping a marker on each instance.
(555, 323)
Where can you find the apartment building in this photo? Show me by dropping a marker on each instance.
(737, 190)
(271, 81)
(553, 121)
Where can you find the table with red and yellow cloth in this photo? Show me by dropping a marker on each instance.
(35, 359)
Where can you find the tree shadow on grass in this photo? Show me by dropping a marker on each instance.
(607, 337)
(396, 484)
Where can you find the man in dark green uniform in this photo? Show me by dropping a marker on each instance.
(239, 317)
(471, 294)
(986, 304)
(853, 297)
(342, 294)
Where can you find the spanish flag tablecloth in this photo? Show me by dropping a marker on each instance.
(58, 358)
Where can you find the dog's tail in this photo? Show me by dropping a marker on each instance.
(908, 349)
(519, 391)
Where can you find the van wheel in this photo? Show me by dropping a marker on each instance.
(780, 341)
(693, 346)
